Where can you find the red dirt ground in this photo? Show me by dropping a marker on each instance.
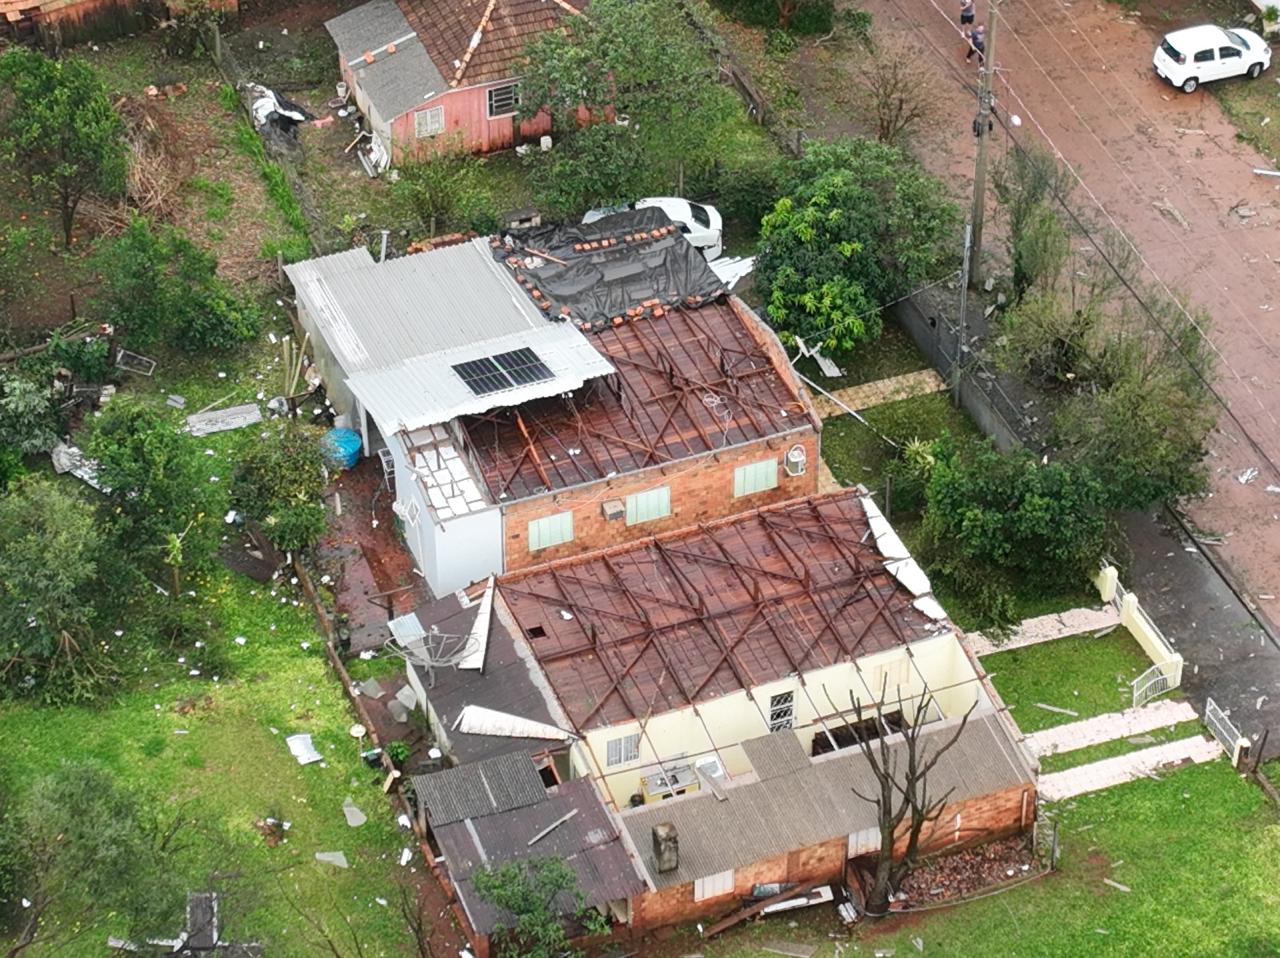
(1080, 77)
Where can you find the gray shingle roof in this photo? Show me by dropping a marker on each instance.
(763, 819)
(775, 755)
(394, 82)
(495, 785)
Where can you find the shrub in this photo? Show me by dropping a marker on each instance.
(398, 752)
(280, 482)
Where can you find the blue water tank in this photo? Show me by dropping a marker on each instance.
(342, 447)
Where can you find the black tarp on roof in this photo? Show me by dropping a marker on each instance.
(607, 272)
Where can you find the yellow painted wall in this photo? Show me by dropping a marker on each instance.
(717, 726)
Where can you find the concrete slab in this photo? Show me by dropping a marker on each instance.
(1109, 727)
(1125, 768)
(1044, 628)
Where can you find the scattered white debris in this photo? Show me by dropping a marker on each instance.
(333, 858)
(241, 640)
(302, 748)
(1116, 885)
(1247, 476)
(405, 854)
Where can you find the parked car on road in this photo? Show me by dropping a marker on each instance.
(700, 224)
(1187, 58)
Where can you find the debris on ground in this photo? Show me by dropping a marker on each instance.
(1247, 476)
(963, 873)
(1054, 708)
(1172, 212)
(1116, 885)
(302, 748)
(355, 817)
(224, 420)
(337, 859)
(789, 949)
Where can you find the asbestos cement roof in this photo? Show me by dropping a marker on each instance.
(489, 787)
(402, 74)
(813, 804)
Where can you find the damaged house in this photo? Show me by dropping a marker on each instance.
(703, 680)
(556, 390)
(432, 72)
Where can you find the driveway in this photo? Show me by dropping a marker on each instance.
(1166, 168)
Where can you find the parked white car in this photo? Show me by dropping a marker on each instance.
(1187, 58)
(700, 224)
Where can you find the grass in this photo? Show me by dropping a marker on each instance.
(892, 354)
(1085, 673)
(856, 454)
(1030, 601)
(216, 749)
(1120, 746)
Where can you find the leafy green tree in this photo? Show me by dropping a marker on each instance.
(632, 59)
(449, 190)
(49, 546)
(799, 16)
(16, 245)
(158, 286)
(59, 125)
(1009, 516)
(598, 165)
(280, 483)
(28, 418)
(163, 509)
(537, 895)
(863, 225)
(1029, 186)
(83, 853)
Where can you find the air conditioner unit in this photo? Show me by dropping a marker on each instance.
(614, 509)
(795, 460)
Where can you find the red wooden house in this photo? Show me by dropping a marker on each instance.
(430, 72)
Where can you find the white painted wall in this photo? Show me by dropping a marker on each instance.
(466, 549)
(717, 726)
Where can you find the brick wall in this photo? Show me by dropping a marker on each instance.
(701, 490)
(984, 818)
(675, 905)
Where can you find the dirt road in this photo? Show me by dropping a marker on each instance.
(1166, 168)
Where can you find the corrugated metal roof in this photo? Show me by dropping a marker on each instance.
(763, 819)
(495, 785)
(425, 390)
(396, 81)
(588, 842)
(779, 753)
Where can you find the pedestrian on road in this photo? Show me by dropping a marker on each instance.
(977, 44)
(966, 13)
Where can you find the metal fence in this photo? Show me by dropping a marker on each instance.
(1225, 731)
(1154, 682)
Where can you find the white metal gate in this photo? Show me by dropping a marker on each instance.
(1225, 732)
(1151, 683)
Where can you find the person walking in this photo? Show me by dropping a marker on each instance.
(966, 14)
(977, 44)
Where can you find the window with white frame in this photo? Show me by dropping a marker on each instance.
(622, 750)
(428, 122)
(550, 531)
(782, 711)
(649, 505)
(713, 886)
(503, 100)
(755, 477)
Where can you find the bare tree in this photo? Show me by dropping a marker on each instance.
(894, 96)
(900, 768)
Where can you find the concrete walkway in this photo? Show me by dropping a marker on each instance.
(1125, 768)
(881, 391)
(1046, 627)
(1109, 727)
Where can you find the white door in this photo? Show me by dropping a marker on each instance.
(1230, 61)
(1204, 63)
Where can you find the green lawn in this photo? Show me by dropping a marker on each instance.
(1029, 600)
(216, 749)
(1085, 674)
(892, 354)
(1121, 746)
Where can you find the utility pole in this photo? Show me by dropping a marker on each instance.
(981, 128)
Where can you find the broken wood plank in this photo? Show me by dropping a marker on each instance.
(1054, 708)
(754, 909)
(1115, 884)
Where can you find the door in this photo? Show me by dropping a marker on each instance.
(1230, 61)
(1205, 65)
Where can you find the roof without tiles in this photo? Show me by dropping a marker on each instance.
(759, 819)
(692, 615)
(688, 383)
(480, 41)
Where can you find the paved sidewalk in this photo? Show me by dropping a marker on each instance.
(1125, 768)
(881, 391)
(1109, 727)
(1046, 627)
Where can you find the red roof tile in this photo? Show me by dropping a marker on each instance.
(446, 28)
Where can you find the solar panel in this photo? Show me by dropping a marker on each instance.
(493, 374)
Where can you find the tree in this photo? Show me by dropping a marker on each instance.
(995, 517)
(59, 125)
(895, 97)
(28, 418)
(632, 59)
(49, 546)
(862, 225)
(900, 790)
(538, 895)
(81, 849)
(280, 483)
(16, 245)
(158, 286)
(159, 490)
(447, 190)
(598, 165)
(1029, 186)
(798, 16)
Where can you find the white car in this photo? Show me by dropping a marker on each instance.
(1187, 58)
(700, 224)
